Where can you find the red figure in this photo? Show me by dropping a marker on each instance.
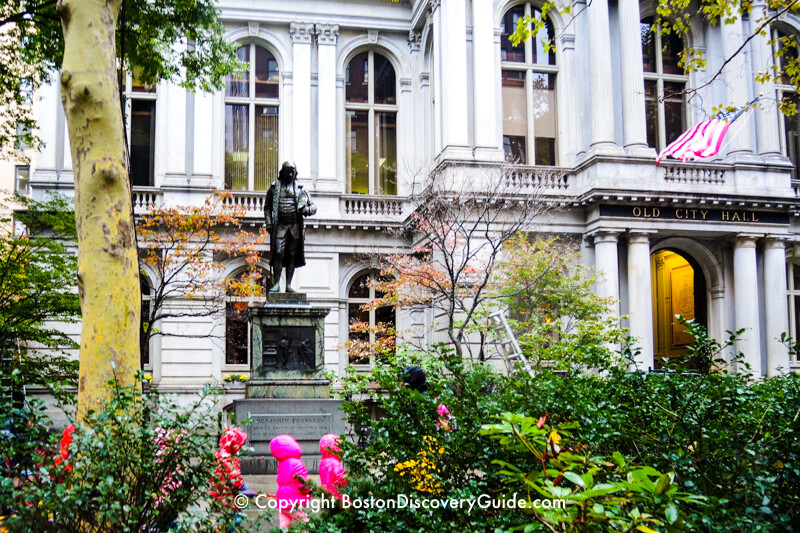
(292, 478)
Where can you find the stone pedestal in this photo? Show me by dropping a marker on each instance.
(287, 392)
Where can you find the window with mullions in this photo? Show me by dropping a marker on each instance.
(785, 47)
(21, 179)
(664, 81)
(529, 93)
(367, 327)
(252, 102)
(141, 109)
(237, 332)
(793, 271)
(371, 115)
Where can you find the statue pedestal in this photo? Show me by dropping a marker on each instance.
(287, 392)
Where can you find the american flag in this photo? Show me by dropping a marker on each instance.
(704, 139)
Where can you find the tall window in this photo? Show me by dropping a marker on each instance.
(21, 178)
(141, 106)
(145, 331)
(786, 47)
(371, 114)
(251, 121)
(665, 105)
(366, 327)
(793, 271)
(237, 333)
(529, 93)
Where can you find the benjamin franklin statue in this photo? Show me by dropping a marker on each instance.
(287, 203)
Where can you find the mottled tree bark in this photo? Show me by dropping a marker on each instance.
(108, 271)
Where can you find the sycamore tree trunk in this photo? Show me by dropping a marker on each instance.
(108, 271)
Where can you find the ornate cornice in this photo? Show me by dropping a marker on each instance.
(414, 40)
(301, 32)
(327, 33)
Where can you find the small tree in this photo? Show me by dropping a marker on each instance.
(184, 247)
(457, 231)
(37, 280)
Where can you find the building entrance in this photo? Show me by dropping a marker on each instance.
(679, 288)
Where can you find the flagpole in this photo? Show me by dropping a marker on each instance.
(747, 107)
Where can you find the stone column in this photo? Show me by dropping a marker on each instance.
(640, 297)
(483, 76)
(633, 113)
(327, 35)
(607, 264)
(767, 116)
(745, 288)
(776, 311)
(600, 75)
(450, 34)
(736, 80)
(300, 152)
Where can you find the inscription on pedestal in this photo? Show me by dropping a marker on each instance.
(301, 427)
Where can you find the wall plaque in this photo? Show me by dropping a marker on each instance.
(288, 348)
(693, 214)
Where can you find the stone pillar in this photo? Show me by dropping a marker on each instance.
(484, 83)
(745, 288)
(602, 94)
(633, 113)
(767, 116)
(736, 82)
(450, 34)
(607, 264)
(640, 297)
(777, 314)
(300, 152)
(327, 35)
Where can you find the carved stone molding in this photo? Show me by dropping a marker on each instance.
(252, 28)
(327, 33)
(301, 32)
(372, 36)
(414, 40)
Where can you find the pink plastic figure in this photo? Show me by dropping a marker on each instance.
(290, 493)
(331, 471)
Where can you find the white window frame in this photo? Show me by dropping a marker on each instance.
(27, 188)
(371, 107)
(251, 101)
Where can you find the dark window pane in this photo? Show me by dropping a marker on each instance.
(648, 45)
(143, 134)
(508, 52)
(144, 338)
(674, 111)
(544, 118)
(236, 333)
(545, 35)
(795, 268)
(386, 152)
(237, 84)
(358, 151)
(514, 148)
(385, 85)
(360, 287)
(670, 55)
(266, 74)
(236, 146)
(385, 316)
(356, 79)
(787, 45)
(651, 112)
(792, 136)
(266, 147)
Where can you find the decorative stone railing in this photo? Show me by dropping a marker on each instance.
(145, 200)
(690, 173)
(542, 178)
(252, 201)
(372, 206)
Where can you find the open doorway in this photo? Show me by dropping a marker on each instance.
(679, 288)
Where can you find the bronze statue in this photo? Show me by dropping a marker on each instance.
(286, 205)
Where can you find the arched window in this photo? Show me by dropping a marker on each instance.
(366, 326)
(371, 114)
(786, 49)
(529, 93)
(237, 333)
(251, 121)
(665, 105)
(141, 110)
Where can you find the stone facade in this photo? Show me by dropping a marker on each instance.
(733, 218)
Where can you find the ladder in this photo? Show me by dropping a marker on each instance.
(508, 347)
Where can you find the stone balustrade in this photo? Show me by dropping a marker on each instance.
(693, 173)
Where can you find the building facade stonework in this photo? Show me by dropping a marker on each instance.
(361, 95)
